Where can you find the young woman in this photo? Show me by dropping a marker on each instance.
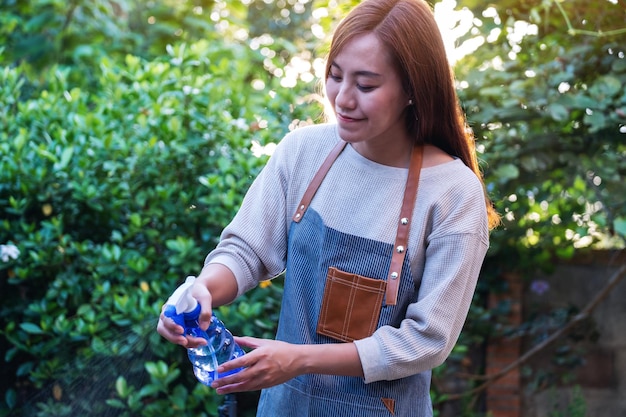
(378, 281)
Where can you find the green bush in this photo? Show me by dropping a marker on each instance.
(112, 198)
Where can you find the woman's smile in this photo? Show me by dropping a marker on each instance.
(341, 118)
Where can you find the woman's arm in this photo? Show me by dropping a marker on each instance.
(274, 362)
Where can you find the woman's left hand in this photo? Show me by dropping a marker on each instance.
(270, 363)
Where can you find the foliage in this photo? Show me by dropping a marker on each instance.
(79, 33)
(550, 112)
(126, 137)
(544, 96)
(112, 197)
(127, 140)
(576, 407)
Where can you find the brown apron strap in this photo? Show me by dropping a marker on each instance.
(406, 212)
(404, 225)
(317, 180)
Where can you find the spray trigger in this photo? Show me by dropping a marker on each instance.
(182, 307)
(181, 298)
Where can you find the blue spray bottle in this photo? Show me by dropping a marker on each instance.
(220, 347)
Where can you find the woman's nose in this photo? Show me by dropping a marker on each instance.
(345, 98)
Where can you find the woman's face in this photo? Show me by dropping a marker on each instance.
(366, 93)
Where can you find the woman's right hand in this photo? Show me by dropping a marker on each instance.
(175, 333)
(216, 285)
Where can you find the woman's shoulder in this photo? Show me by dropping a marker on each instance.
(449, 176)
(322, 135)
(304, 148)
(434, 156)
(454, 195)
(308, 142)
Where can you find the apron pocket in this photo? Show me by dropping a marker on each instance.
(350, 306)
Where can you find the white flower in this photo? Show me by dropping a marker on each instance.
(258, 150)
(9, 252)
(241, 124)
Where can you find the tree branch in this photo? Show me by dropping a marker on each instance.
(573, 31)
(615, 279)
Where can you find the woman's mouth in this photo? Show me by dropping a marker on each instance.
(346, 119)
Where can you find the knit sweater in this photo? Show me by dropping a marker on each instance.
(447, 241)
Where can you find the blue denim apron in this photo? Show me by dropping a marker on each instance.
(312, 249)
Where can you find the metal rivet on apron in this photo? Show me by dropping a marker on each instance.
(297, 215)
(302, 207)
(404, 221)
(400, 249)
(394, 275)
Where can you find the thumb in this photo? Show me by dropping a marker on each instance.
(202, 294)
(204, 320)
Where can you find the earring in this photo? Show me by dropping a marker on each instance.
(414, 109)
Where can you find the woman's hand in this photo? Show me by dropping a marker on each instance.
(175, 333)
(271, 363)
(216, 285)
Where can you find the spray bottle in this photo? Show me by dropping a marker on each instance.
(220, 347)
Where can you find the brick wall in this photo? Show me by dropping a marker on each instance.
(503, 398)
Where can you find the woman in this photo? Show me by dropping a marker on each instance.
(360, 228)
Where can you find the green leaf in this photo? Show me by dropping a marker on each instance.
(84, 310)
(10, 397)
(121, 386)
(152, 368)
(66, 157)
(619, 65)
(596, 121)
(620, 226)
(24, 369)
(579, 101)
(172, 376)
(491, 91)
(44, 153)
(149, 391)
(10, 354)
(31, 328)
(558, 112)
(506, 172)
(115, 403)
(135, 219)
(606, 87)
(566, 252)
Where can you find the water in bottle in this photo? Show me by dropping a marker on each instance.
(220, 348)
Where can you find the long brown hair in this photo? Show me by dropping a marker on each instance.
(409, 30)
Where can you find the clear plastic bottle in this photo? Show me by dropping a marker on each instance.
(221, 346)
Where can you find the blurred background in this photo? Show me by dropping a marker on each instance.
(130, 131)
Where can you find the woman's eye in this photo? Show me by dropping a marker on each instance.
(334, 77)
(365, 88)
